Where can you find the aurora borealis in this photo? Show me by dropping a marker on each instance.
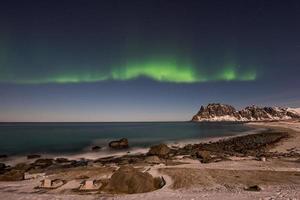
(161, 71)
(60, 59)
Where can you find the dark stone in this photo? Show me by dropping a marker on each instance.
(62, 160)
(96, 148)
(161, 150)
(254, 188)
(3, 156)
(119, 144)
(43, 162)
(33, 156)
(79, 163)
(22, 166)
(2, 166)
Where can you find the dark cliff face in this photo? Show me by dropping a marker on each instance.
(223, 112)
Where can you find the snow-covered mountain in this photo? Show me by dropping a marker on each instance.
(223, 112)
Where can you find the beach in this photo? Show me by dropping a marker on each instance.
(254, 166)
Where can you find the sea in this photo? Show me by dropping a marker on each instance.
(79, 138)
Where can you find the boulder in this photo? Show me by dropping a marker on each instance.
(33, 156)
(119, 144)
(205, 156)
(96, 148)
(161, 150)
(129, 180)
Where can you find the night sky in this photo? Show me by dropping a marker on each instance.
(145, 60)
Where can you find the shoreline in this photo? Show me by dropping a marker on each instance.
(186, 177)
(89, 154)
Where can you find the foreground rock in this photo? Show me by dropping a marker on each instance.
(119, 144)
(223, 112)
(161, 150)
(129, 180)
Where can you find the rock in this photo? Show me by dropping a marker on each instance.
(96, 148)
(205, 156)
(2, 166)
(129, 180)
(160, 150)
(43, 162)
(79, 163)
(12, 175)
(33, 156)
(3, 156)
(254, 188)
(153, 160)
(62, 160)
(119, 144)
(22, 166)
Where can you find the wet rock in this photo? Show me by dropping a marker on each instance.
(79, 163)
(22, 166)
(43, 162)
(129, 180)
(161, 150)
(119, 144)
(62, 160)
(33, 156)
(96, 148)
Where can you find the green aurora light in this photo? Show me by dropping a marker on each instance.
(160, 70)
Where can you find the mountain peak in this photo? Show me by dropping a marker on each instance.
(225, 112)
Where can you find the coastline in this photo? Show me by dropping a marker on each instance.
(189, 178)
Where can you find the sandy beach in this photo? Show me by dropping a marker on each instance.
(270, 173)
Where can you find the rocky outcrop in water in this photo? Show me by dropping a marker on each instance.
(119, 144)
(223, 112)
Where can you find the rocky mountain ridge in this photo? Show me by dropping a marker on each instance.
(224, 112)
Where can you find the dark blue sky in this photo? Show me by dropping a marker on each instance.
(145, 60)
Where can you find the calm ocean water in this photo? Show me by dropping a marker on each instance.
(24, 138)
